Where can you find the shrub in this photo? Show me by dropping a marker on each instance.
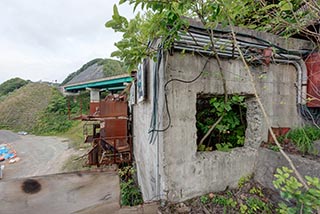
(129, 190)
(54, 119)
(230, 131)
(12, 85)
(302, 201)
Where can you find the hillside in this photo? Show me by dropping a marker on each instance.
(11, 85)
(96, 69)
(19, 110)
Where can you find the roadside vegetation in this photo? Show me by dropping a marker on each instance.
(129, 190)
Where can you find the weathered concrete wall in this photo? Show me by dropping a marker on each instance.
(268, 161)
(202, 172)
(215, 171)
(207, 171)
(184, 172)
(61, 193)
(149, 165)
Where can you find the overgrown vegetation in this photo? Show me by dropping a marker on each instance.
(163, 19)
(112, 67)
(129, 190)
(12, 85)
(248, 198)
(230, 131)
(54, 119)
(304, 137)
(299, 200)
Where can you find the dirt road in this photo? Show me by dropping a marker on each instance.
(39, 155)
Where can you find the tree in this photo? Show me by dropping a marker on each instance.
(164, 18)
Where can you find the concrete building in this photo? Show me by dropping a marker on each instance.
(168, 164)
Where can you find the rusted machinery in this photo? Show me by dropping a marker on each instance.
(108, 131)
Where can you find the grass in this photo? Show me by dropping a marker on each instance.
(304, 137)
(75, 135)
(75, 163)
(19, 110)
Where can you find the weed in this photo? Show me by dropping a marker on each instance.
(256, 191)
(274, 148)
(204, 199)
(130, 192)
(304, 137)
(225, 202)
(305, 201)
(243, 208)
(243, 180)
(255, 205)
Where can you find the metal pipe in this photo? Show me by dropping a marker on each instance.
(296, 61)
(302, 77)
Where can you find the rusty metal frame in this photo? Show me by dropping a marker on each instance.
(113, 118)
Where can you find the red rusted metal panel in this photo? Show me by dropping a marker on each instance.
(94, 108)
(116, 128)
(313, 84)
(113, 108)
(278, 131)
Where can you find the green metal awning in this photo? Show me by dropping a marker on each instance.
(110, 84)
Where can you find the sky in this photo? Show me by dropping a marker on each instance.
(45, 40)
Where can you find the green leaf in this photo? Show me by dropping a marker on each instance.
(115, 11)
(285, 6)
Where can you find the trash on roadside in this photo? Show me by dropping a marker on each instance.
(14, 160)
(7, 152)
(22, 133)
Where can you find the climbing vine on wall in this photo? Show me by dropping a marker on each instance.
(230, 132)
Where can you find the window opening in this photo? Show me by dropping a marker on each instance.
(230, 131)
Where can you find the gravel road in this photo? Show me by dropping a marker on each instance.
(39, 155)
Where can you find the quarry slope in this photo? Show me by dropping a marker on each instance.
(20, 109)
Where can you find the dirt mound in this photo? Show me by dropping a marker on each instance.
(19, 111)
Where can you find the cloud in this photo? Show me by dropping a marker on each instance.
(47, 40)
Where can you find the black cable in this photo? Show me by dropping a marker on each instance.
(283, 50)
(153, 121)
(166, 97)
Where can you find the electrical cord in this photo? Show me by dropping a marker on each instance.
(166, 97)
(153, 123)
(283, 50)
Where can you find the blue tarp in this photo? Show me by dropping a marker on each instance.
(6, 153)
